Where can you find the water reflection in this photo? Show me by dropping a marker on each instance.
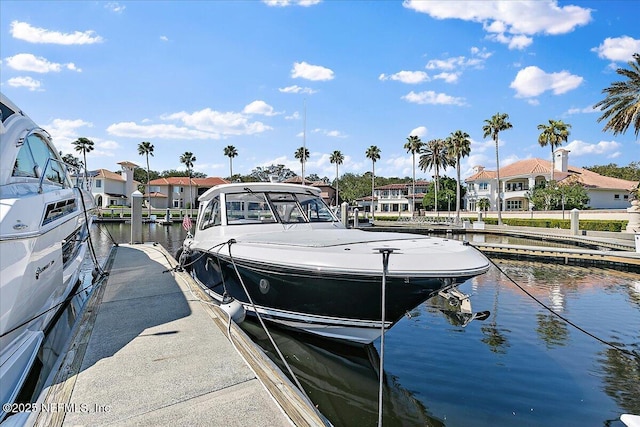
(342, 380)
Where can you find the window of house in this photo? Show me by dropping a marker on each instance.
(176, 203)
(483, 186)
(616, 196)
(98, 183)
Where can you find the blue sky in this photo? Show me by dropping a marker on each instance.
(198, 76)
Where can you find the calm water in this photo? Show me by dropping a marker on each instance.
(522, 366)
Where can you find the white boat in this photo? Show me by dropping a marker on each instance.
(43, 241)
(303, 269)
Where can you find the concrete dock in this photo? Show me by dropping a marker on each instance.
(150, 350)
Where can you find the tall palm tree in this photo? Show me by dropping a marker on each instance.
(373, 153)
(621, 106)
(413, 146)
(434, 156)
(84, 145)
(302, 154)
(553, 135)
(188, 159)
(493, 126)
(336, 157)
(231, 152)
(145, 148)
(458, 146)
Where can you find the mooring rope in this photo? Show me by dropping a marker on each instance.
(631, 353)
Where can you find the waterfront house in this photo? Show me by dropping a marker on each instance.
(395, 198)
(173, 192)
(517, 179)
(110, 188)
(327, 191)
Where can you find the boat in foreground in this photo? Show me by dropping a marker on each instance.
(279, 250)
(43, 240)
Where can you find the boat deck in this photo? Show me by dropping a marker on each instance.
(149, 351)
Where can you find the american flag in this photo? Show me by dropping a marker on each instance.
(186, 223)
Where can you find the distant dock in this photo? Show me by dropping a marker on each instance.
(151, 350)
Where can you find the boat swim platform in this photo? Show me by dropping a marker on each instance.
(151, 349)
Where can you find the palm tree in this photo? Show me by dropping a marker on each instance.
(302, 154)
(458, 146)
(373, 153)
(621, 106)
(434, 156)
(145, 148)
(336, 157)
(493, 127)
(553, 135)
(231, 152)
(84, 145)
(413, 146)
(188, 159)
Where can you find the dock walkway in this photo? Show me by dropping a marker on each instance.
(150, 352)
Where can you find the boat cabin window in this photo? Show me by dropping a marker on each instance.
(248, 208)
(34, 159)
(211, 215)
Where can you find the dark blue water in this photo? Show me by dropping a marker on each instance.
(522, 366)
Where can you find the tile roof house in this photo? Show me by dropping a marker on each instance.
(112, 189)
(327, 191)
(518, 178)
(173, 192)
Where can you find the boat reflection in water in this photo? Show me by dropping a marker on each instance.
(342, 380)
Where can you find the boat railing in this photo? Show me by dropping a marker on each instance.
(60, 177)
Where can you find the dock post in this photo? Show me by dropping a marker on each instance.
(575, 213)
(136, 217)
(344, 213)
(168, 216)
(355, 218)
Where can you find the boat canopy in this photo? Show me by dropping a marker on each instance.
(244, 187)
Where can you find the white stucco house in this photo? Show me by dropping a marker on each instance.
(518, 178)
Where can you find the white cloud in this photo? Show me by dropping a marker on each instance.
(64, 132)
(618, 48)
(297, 89)
(219, 123)
(198, 125)
(24, 31)
(162, 131)
(259, 107)
(164, 38)
(408, 77)
(307, 71)
(24, 81)
(533, 81)
(420, 131)
(448, 77)
(509, 22)
(284, 3)
(585, 110)
(330, 133)
(610, 149)
(36, 64)
(431, 97)
(115, 7)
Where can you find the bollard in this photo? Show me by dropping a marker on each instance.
(136, 217)
(575, 213)
(355, 218)
(168, 215)
(344, 213)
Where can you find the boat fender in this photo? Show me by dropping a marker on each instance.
(233, 308)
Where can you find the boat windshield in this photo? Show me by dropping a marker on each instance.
(272, 207)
